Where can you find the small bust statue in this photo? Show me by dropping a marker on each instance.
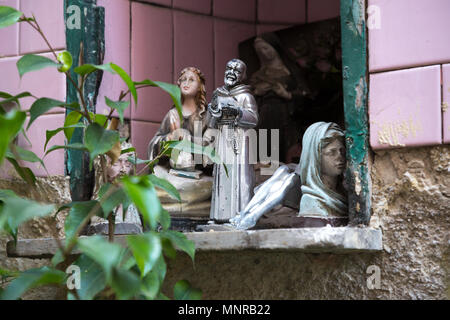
(321, 166)
(132, 223)
(193, 98)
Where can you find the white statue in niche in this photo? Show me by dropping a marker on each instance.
(321, 166)
(319, 175)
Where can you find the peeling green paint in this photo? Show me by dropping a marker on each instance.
(85, 41)
(354, 61)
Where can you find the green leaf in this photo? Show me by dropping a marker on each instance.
(71, 119)
(136, 161)
(143, 194)
(184, 291)
(66, 59)
(126, 78)
(42, 105)
(16, 210)
(32, 62)
(78, 212)
(166, 186)
(93, 278)
(10, 125)
(31, 279)
(161, 296)
(25, 173)
(116, 196)
(120, 106)
(49, 134)
(86, 69)
(74, 146)
(190, 147)
(101, 119)
(173, 90)
(57, 258)
(180, 241)
(99, 141)
(125, 283)
(146, 250)
(9, 98)
(168, 248)
(23, 154)
(128, 150)
(8, 273)
(165, 219)
(150, 285)
(106, 254)
(9, 16)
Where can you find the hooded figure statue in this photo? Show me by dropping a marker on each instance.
(321, 166)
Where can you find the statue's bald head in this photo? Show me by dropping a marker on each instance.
(235, 72)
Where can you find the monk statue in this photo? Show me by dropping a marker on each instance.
(234, 111)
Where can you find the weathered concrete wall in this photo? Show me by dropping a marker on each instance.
(411, 193)
(411, 190)
(49, 190)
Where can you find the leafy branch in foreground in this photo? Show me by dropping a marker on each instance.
(134, 269)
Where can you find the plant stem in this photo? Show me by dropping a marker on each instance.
(67, 73)
(110, 217)
(86, 220)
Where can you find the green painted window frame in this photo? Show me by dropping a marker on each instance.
(355, 91)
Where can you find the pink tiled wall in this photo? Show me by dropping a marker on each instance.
(51, 20)
(408, 43)
(117, 42)
(192, 35)
(152, 39)
(167, 36)
(322, 10)
(228, 34)
(446, 102)
(405, 108)
(10, 35)
(411, 33)
(21, 39)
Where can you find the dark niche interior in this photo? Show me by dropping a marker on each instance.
(296, 75)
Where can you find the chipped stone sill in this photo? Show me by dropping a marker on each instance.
(313, 240)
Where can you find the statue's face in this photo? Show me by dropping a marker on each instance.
(333, 159)
(189, 84)
(265, 50)
(234, 73)
(121, 167)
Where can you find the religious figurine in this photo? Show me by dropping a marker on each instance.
(268, 195)
(132, 223)
(279, 88)
(320, 169)
(234, 111)
(195, 119)
(273, 75)
(322, 164)
(192, 179)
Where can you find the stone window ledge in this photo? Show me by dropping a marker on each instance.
(313, 240)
